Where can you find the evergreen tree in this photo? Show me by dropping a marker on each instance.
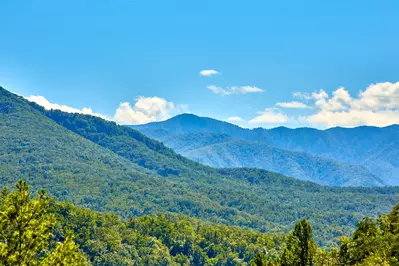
(25, 230)
(66, 253)
(259, 260)
(301, 247)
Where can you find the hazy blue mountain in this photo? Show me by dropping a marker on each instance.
(186, 142)
(221, 150)
(376, 149)
(189, 123)
(371, 148)
(300, 165)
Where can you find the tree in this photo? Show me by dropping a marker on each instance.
(259, 260)
(65, 254)
(301, 247)
(372, 243)
(25, 230)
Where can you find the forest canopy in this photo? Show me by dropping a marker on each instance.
(36, 229)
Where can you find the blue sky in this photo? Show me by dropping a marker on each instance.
(136, 61)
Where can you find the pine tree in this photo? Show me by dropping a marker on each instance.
(301, 247)
(259, 260)
(25, 230)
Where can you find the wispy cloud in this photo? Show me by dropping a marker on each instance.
(293, 104)
(302, 95)
(235, 119)
(209, 72)
(234, 90)
(319, 95)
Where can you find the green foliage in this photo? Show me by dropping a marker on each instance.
(259, 260)
(163, 239)
(38, 231)
(374, 242)
(301, 247)
(65, 254)
(25, 230)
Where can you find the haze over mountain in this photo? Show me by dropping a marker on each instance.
(362, 156)
(100, 165)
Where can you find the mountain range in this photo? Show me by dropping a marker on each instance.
(361, 156)
(103, 166)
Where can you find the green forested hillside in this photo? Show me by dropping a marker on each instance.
(106, 239)
(37, 230)
(167, 239)
(97, 164)
(72, 168)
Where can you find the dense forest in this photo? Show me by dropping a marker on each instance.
(39, 230)
(97, 164)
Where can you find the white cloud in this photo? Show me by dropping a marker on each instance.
(340, 100)
(209, 72)
(377, 105)
(319, 95)
(234, 90)
(218, 90)
(40, 100)
(145, 110)
(293, 104)
(380, 95)
(235, 119)
(302, 95)
(269, 116)
(353, 118)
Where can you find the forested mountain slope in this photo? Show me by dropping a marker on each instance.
(35, 148)
(241, 153)
(99, 167)
(372, 148)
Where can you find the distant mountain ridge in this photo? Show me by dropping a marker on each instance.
(221, 150)
(370, 153)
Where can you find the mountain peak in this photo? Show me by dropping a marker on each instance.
(185, 123)
(186, 117)
(192, 118)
